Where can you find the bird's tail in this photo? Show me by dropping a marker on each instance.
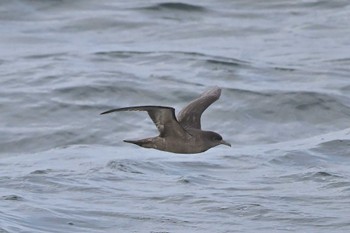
(147, 143)
(137, 142)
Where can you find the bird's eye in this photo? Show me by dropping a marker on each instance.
(218, 138)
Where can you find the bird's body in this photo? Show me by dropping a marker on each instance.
(181, 135)
(194, 143)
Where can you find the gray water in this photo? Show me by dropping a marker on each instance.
(284, 69)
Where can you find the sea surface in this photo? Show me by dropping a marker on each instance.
(284, 70)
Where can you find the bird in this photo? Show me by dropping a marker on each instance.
(182, 135)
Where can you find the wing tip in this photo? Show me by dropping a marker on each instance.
(106, 112)
(137, 108)
(214, 91)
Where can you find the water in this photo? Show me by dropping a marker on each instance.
(284, 71)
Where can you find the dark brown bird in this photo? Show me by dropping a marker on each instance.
(183, 135)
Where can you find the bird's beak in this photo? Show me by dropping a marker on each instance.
(225, 143)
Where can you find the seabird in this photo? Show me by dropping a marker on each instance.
(184, 134)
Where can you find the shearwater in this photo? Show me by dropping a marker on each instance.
(182, 134)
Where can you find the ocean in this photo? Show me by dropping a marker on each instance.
(284, 70)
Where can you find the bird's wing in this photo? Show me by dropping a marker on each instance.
(163, 117)
(190, 116)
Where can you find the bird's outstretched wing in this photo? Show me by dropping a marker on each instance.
(163, 117)
(190, 116)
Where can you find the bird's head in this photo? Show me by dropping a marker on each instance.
(215, 139)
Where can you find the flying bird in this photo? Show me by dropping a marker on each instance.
(182, 134)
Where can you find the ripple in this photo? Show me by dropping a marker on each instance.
(123, 166)
(320, 176)
(337, 147)
(298, 158)
(41, 172)
(178, 6)
(12, 197)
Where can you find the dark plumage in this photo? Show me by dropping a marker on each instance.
(182, 135)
